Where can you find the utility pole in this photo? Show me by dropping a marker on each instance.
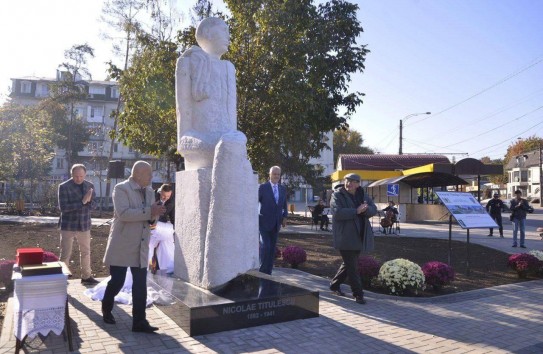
(400, 151)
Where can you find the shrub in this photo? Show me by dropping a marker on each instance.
(523, 263)
(399, 275)
(6, 270)
(537, 254)
(49, 257)
(294, 255)
(437, 274)
(368, 268)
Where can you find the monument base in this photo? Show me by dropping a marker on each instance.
(246, 301)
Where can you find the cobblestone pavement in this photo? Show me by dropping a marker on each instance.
(504, 319)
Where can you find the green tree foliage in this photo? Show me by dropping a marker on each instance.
(26, 143)
(294, 61)
(349, 141)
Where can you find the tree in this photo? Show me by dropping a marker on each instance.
(294, 62)
(349, 141)
(26, 144)
(65, 94)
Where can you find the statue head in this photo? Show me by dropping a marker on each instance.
(213, 36)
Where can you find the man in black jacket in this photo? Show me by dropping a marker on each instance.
(494, 207)
(351, 209)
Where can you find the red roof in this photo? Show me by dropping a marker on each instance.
(381, 162)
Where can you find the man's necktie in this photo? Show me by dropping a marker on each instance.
(276, 194)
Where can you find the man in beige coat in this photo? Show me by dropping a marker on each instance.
(135, 210)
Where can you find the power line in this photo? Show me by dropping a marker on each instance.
(495, 128)
(507, 78)
(513, 137)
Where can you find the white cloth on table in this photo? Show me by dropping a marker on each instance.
(39, 304)
(162, 236)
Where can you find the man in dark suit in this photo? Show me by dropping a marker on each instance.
(273, 208)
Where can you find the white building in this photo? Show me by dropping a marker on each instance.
(524, 174)
(102, 98)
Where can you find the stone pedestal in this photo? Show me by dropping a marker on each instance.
(216, 218)
(249, 300)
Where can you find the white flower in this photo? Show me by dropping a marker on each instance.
(537, 254)
(399, 274)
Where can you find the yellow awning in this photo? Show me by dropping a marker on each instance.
(366, 175)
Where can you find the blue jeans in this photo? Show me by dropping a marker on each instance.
(268, 241)
(518, 224)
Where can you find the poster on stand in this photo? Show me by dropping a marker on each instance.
(466, 210)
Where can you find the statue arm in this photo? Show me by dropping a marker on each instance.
(199, 74)
(183, 98)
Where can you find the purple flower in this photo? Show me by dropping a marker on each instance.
(438, 273)
(524, 262)
(294, 255)
(368, 267)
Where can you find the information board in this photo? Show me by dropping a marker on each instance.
(466, 210)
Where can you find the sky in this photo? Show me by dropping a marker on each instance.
(476, 65)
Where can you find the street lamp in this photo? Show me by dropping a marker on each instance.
(401, 127)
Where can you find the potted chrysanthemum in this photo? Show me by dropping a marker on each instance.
(438, 274)
(368, 268)
(401, 275)
(523, 263)
(294, 256)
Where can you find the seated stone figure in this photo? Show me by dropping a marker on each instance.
(206, 95)
(213, 215)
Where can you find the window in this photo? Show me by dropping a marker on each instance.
(130, 149)
(60, 163)
(97, 90)
(25, 87)
(95, 114)
(115, 147)
(524, 176)
(43, 90)
(114, 92)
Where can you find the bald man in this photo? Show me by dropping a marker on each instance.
(135, 210)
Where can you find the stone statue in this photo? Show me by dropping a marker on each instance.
(216, 204)
(207, 110)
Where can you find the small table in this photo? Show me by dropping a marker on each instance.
(40, 306)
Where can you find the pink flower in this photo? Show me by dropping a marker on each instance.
(438, 273)
(294, 255)
(368, 267)
(523, 262)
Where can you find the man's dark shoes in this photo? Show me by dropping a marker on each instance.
(89, 281)
(522, 246)
(144, 326)
(360, 299)
(337, 292)
(108, 318)
(490, 235)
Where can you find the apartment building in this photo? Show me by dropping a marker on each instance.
(524, 173)
(101, 99)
